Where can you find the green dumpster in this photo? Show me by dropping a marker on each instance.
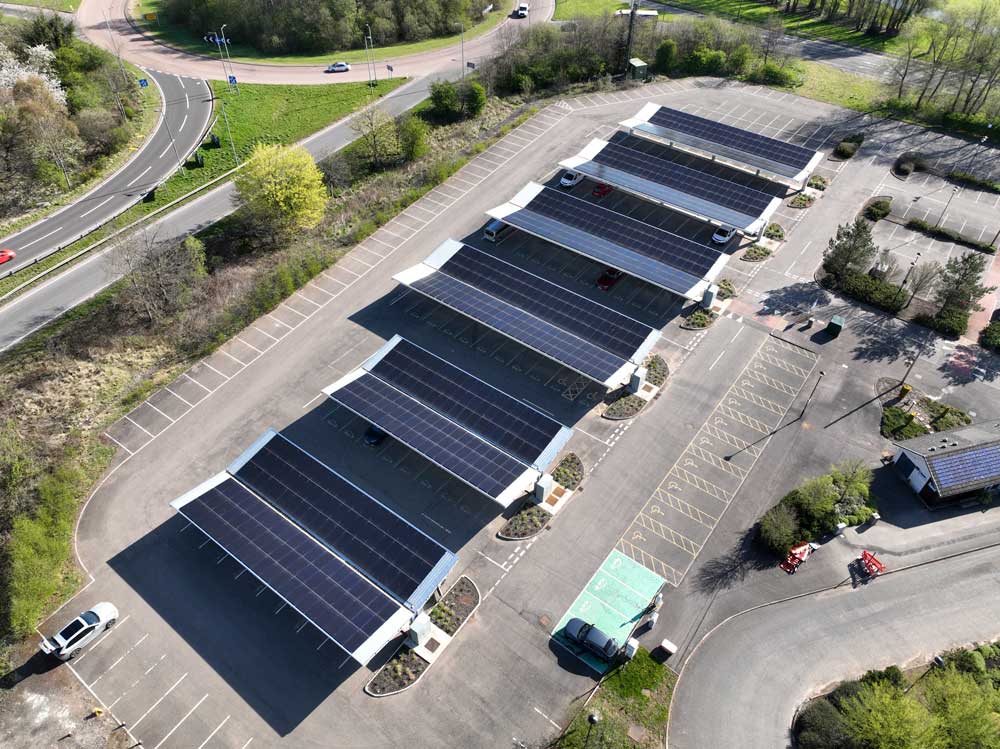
(835, 325)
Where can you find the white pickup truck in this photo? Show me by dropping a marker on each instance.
(522, 10)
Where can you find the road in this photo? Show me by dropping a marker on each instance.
(187, 104)
(810, 643)
(33, 309)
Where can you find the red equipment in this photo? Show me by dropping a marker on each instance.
(796, 556)
(871, 564)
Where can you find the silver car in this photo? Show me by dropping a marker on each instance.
(83, 630)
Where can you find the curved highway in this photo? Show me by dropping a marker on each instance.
(744, 680)
(185, 109)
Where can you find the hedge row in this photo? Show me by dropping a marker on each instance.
(971, 180)
(948, 235)
(876, 292)
(949, 321)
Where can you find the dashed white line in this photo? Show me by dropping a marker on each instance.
(183, 123)
(217, 729)
(164, 151)
(106, 200)
(153, 706)
(46, 236)
(139, 177)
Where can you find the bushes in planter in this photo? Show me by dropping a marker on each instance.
(756, 252)
(878, 209)
(874, 291)
(849, 146)
(990, 337)
(948, 235)
(971, 180)
(949, 321)
(775, 232)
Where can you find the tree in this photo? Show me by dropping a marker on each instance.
(282, 187)
(159, 276)
(412, 133)
(50, 30)
(779, 528)
(881, 716)
(473, 99)
(445, 100)
(851, 251)
(911, 40)
(774, 33)
(816, 505)
(923, 277)
(963, 709)
(852, 480)
(820, 726)
(739, 59)
(378, 141)
(959, 284)
(666, 56)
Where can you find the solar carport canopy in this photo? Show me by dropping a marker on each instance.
(675, 185)
(672, 262)
(352, 567)
(589, 338)
(732, 143)
(489, 440)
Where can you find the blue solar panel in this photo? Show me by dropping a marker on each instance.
(436, 438)
(972, 466)
(370, 537)
(502, 420)
(573, 352)
(338, 600)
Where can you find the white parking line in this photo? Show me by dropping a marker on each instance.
(130, 452)
(108, 669)
(102, 638)
(153, 706)
(251, 738)
(127, 418)
(217, 728)
(186, 716)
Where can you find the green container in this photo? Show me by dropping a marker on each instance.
(835, 325)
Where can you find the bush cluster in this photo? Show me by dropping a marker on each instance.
(972, 180)
(990, 337)
(802, 200)
(700, 318)
(770, 74)
(945, 234)
(774, 231)
(756, 252)
(849, 145)
(949, 321)
(817, 182)
(878, 210)
(865, 288)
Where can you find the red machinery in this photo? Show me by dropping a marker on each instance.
(796, 556)
(872, 565)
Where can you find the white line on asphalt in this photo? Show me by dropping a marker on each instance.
(151, 435)
(251, 738)
(179, 80)
(168, 418)
(737, 335)
(182, 400)
(87, 213)
(278, 610)
(186, 716)
(102, 638)
(558, 727)
(164, 152)
(139, 177)
(224, 721)
(491, 561)
(721, 354)
(132, 685)
(108, 669)
(187, 101)
(33, 241)
(153, 706)
(216, 371)
(183, 123)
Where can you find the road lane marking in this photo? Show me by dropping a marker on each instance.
(183, 123)
(139, 177)
(33, 241)
(186, 716)
(153, 706)
(224, 721)
(164, 152)
(712, 365)
(106, 200)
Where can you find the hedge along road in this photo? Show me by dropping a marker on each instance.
(186, 108)
(96, 17)
(50, 299)
(805, 645)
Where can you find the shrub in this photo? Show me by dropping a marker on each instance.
(625, 407)
(904, 167)
(990, 336)
(848, 146)
(949, 321)
(818, 183)
(445, 100)
(774, 231)
(774, 75)
(967, 661)
(700, 318)
(412, 133)
(705, 61)
(656, 370)
(473, 99)
(821, 726)
(569, 472)
(892, 675)
(945, 234)
(972, 180)
(666, 56)
(844, 692)
(739, 59)
(802, 200)
(897, 424)
(874, 291)
(878, 210)
(726, 289)
(756, 252)
(778, 528)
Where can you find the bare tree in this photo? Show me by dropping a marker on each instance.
(887, 264)
(774, 32)
(922, 279)
(377, 132)
(159, 276)
(911, 39)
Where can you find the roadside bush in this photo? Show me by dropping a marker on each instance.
(705, 61)
(845, 691)
(821, 726)
(882, 294)
(891, 675)
(846, 149)
(990, 336)
(945, 234)
(774, 75)
(971, 180)
(904, 167)
(949, 321)
(445, 101)
(739, 59)
(878, 210)
(473, 99)
(726, 289)
(778, 528)
(700, 318)
(775, 232)
(666, 57)
(412, 134)
(967, 661)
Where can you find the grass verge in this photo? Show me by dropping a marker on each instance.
(66, 6)
(285, 113)
(898, 425)
(184, 39)
(637, 694)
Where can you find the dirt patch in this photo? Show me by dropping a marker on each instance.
(456, 606)
(404, 668)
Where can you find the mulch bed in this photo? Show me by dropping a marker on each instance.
(657, 370)
(527, 522)
(401, 671)
(624, 408)
(569, 472)
(457, 605)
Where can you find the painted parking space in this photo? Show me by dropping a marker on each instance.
(613, 600)
(668, 533)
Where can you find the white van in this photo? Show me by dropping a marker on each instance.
(522, 10)
(496, 230)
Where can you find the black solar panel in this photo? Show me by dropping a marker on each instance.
(588, 320)
(655, 243)
(973, 466)
(337, 599)
(733, 137)
(684, 179)
(442, 441)
(360, 530)
(505, 318)
(502, 420)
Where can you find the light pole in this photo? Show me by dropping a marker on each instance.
(371, 46)
(947, 205)
(592, 720)
(222, 57)
(906, 278)
(461, 32)
(819, 379)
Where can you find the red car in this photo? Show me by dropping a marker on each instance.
(609, 278)
(6, 256)
(602, 190)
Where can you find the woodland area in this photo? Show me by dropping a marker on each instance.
(66, 108)
(315, 26)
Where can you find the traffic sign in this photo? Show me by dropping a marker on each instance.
(470, 64)
(143, 83)
(389, 68)
(232, 79)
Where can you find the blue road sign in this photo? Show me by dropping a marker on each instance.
(232, 79)
(470, 65)
(143, 83)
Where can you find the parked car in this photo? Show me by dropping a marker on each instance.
(570, 178)
(6, 256)
(609, 278)
(723, 234)
(995, 317)
(602, 190)
(339, 67)
(374, 436)
(522, 10)
(83, 630)
(591, 638)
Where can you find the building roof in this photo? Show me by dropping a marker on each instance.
(960, 460)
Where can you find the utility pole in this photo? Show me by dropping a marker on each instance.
(118, 54)
(230, 133)
(947, 205)
(371, 46)
(118, 99)
(906, 278)
(222, 59)
(633, 10)
(368, 69)
(461, 32)
(225, 43)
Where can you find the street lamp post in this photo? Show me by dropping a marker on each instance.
(232, 144)
(906, 278)
(947, 205)
(819, 379)
(371, 47)
(166, 124)
(225, 43)
(461, 27)
(222, 57)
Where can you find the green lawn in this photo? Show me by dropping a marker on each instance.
(182, 38)
(567, 10)
(285, 113)
(68, 6)
(834, 86)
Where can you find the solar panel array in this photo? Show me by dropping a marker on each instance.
(675, 176)
(485, 467)
(356, 527)
(502, 420)
(574, 352)
(593, 322)
(968, 467)
(733, 137)
(332, 595)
